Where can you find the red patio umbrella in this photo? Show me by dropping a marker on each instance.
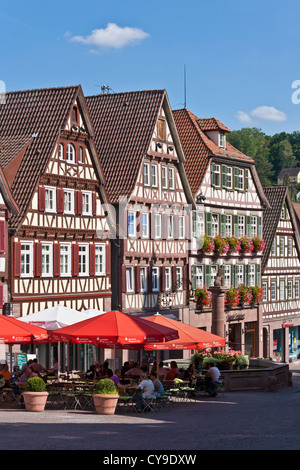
(115, 330)
(12, 331)
(189, 336)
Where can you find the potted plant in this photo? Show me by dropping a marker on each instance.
(258, 244)
(234, 244)
(221, 245)
(105, 397)
(257, 294)
(244, 294)
(208, 246)
(35, 396)
(246, 245)
(232, 297)
(203, 297)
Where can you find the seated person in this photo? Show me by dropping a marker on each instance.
(190, 372)
(55, 365)
(113, 377)
(145, 389)
(173, 372)
(135, 370)
(144, 367)
(5, 374)
(125, 368)
(163, 370)
(158, 386)
(92, 373)
(211, 380)
(36, 366)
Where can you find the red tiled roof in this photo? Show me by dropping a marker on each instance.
(124, 124)
(212, 124)
(41, 113)
(198, 148)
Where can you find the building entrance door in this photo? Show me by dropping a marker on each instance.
(250, 329)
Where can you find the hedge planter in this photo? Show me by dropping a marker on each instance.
(105, 404)
(35, 401)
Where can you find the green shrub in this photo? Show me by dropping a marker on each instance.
(106, 387)
(242, 362)
(35, 384)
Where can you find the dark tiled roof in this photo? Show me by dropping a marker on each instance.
(40, 113)
(198, 148)
(296, 206)
(289, 171)
(124, 124)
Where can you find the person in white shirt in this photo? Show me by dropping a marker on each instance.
(145, 389)
(211, 380)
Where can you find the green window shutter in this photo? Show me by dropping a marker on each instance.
(236, 178)
(246, 279)
(208, 224)
(248, 225)
(246, 179)
(234, 275)
(224, 176)
(194, 283)
(223, 225)
(194, 223)
(235, 226)
(207, 276)
(259, 231)
(213, 174)
(258, 274)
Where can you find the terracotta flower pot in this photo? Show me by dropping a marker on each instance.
(35, 401)
(105, 404)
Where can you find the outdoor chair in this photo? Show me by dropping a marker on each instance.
(124, 402)
(149, 404)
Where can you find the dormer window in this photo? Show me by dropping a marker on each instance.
(222, 140)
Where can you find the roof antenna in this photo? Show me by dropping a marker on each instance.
(184, 86)
(105, 89)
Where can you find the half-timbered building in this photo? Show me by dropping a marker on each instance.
(59, 239)
(281, 277)
(230, 203)
(142, 160)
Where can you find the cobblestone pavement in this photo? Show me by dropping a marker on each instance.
(235, 421)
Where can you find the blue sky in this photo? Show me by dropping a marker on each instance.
(241, 56)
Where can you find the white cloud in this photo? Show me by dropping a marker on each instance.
(268, 113)
(243, 117)
(113, 36)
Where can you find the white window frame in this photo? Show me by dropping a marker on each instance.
(281, 289)
(146, 174)
(171, 177)
(290, 289)
(198, 224)
(145, 225)
(144, 278)
(217, 177)
(155, 279)
(214, 224)
(100, 259)
(241, 180)
(69, 201)
(282, 246)
(199, 281)
(50, 199)
(179, 278)
(181, 227)
(273, 291)
(71, 153)
(87, 203)
(131, 224)
(170, 226)
(265, 291)
(222, 140)
(47, 259)
(80, 155)
(164, 177)
(227, 275)
(27, 258)
(83, 254)
(60, 151)
(168, 278)
(129, 279)
(241, 225)
(154, 175)
(157, 225)
(252, 273)
(240, 274)
(274, 246)
(297, 288)
(253, 225)
(213, 274)
(290, 246)
(228, 173)
(228, 225)
(65, 259)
